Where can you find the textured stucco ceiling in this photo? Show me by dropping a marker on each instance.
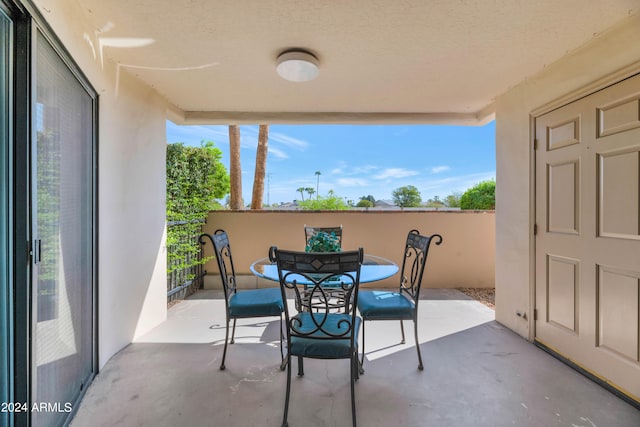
(386, 60)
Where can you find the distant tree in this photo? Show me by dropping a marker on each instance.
(364, 203)
(435, 203)
(482, 196)
(369, 198)
(407, 197)
(453, 200)
(331, 202)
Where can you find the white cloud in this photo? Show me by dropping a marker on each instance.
(445, 186)
(395, 173)
(288, 140)
(276, 152)
(248, 141)
(352, 182)
(364, 169)
(340, 169)
(439, 169)
(194, 134)
(219, 134)
(345, 170)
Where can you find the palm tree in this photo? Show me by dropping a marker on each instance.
(235, 171)
(310, 191)
(301, 190)
(318, 183)
(261, 167)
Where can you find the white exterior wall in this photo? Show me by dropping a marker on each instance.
(606, 54)
(132, 146)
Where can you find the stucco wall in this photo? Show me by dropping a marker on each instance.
(464, 259)
(132, 259)
(604, 55)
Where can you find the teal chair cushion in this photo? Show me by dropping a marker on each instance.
(380, 305)
(256, 303)
(319, 347)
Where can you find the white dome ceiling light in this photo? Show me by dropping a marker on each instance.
(297, 65)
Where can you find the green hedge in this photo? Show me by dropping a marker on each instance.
(195, 179)
(482, 196)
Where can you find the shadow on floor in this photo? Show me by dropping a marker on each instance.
(476, 373)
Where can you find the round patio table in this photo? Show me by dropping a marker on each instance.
(374, 268)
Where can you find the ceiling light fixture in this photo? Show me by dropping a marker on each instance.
(297, 65)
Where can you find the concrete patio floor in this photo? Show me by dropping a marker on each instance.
(477, 373)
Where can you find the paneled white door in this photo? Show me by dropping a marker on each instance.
(588, 233)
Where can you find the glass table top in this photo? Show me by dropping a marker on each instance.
(374, 268)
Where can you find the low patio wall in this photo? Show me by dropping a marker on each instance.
(466, 257)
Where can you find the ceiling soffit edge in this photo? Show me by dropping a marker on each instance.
(479, 118)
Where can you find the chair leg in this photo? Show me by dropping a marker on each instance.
(420, 366)
(286, 400)
(402, 330)
(300, 366)
(283, 363)
(224, 352)
(354, 373)
(233, 334)
(355, 363)
(361, 364)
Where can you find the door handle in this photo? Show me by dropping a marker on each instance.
(36, 251)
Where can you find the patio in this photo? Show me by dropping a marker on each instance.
(477, 372)
(102, 78)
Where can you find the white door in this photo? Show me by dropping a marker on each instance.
(588, 233)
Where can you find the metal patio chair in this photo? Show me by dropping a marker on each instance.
(241, 304)
(403, 304)
(320, 333)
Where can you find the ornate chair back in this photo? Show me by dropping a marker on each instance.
(416, 250)
(224, 259)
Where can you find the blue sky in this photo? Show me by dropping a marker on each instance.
(356, 161)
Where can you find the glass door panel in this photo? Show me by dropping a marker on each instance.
(62, 159)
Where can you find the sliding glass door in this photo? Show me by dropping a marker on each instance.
(62, 162)
(48, 238)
